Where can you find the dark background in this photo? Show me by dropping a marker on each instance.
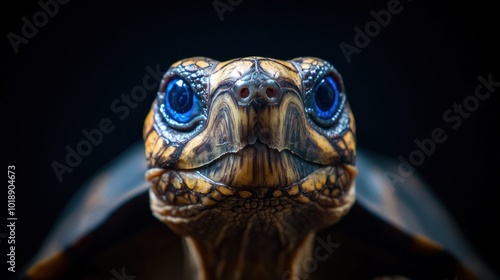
(428, 58)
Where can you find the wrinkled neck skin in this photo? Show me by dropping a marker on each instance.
(248, 253)
(249, 239)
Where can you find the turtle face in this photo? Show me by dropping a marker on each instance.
(248, 135)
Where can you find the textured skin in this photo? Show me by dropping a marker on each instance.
(369, 247)
(226, 129)
(253, 164)
(207, 77)
(268, 222)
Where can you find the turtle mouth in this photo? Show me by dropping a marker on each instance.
(255, 173)
(259, 166)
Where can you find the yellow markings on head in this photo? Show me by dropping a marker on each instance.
(229, 126)
(224, 121)
(202, 186)
(309, 60)
(292, 121)
(309, 184)
(320, 182)
(171, 196)
(332, 177)
(194, 182)
(277, 193)
(182, 200)
(305, 66)
(176, 64)
(281, 69)
(158, 148)
(217, 196)
(229, 70)
(293, 190)
(188, 62)
(349, 138)
(335, 192)
(315, 181)
(206, 201)
(193, 198)
(168, 152)
(176, 182)
(326, 192)
(150, 142)
(202, 63)
(225, 190)
(303, 199)
(245, 194)
(165, 180)
(241, 145)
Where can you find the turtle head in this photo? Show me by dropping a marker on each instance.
(251, 141)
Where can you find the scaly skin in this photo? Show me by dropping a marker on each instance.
(253, 178)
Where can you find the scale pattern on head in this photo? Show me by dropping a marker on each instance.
(252, 131)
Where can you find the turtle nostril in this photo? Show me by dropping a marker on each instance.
(270, 92)
(244, 92)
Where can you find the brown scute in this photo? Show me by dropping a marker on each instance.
(52, 267)
(426, 245)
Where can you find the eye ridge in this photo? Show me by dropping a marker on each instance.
(326, 98)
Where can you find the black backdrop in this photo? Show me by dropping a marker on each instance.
(66, 77)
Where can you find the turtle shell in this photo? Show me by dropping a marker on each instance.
(108, 230)
(209, 143)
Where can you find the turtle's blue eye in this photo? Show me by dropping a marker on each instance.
(326, 98)
(180, 102)
(325, 102)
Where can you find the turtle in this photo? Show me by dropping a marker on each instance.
(249, 169)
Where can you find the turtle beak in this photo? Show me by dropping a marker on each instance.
(153, 173)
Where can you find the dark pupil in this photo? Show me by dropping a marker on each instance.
(325, 96)
(180, 98)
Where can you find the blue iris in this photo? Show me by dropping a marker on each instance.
(180, 100)
(326, 98)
